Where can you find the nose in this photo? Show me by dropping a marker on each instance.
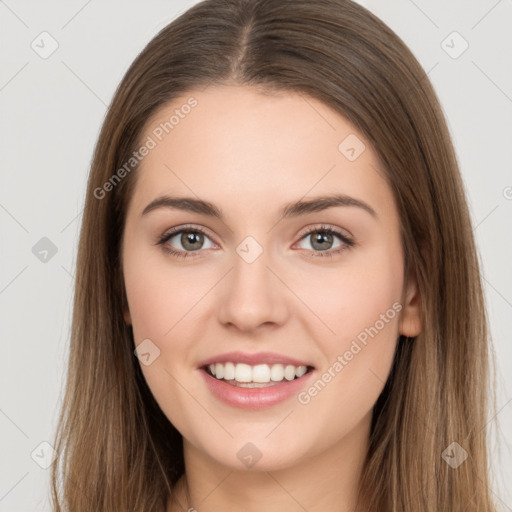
(253, 295)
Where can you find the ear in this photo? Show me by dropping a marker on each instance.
(126, 310)
(127, 317)
(411, 321)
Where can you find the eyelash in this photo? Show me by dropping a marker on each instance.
(347, 242)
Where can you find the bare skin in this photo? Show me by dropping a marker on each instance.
(250, 154)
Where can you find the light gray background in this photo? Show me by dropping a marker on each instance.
(52, 110)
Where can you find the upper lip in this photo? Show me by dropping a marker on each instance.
(253, 359)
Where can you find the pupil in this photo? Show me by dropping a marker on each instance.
(191, 240)
(321, 238)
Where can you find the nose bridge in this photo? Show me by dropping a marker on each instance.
(252, 295)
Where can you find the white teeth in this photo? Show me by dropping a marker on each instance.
(289, 372)
(260, 373)
(300, 371)
(277, 372)
(229, 371)
(243, 373)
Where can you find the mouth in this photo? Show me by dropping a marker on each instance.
(255, 381)
(243, 375)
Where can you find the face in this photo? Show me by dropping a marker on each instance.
(253, 279)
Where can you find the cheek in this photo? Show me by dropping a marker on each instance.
(360, 303)
(351, 296)
(362, 306)
(164, 301)
(161, 300)
(160, 295)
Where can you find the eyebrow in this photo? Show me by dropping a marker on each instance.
(290, 210)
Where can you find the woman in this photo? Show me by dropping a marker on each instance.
(278, 302)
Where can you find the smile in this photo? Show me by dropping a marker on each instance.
(260, 375)
(252, 395)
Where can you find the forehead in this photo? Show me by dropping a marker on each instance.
(235, 145)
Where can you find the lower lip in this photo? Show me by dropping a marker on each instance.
(254, 398)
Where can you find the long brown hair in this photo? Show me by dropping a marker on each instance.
(117, 450)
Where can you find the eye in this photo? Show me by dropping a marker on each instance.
(191, 239)
(322, 239)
